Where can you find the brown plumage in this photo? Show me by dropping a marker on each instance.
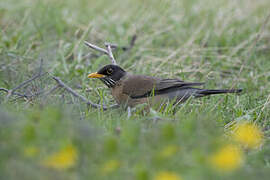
(130, 90)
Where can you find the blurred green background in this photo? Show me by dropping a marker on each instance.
(224, 43)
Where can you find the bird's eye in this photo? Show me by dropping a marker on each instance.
(110, 71)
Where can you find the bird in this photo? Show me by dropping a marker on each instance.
(130, 89)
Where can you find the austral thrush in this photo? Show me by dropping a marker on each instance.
(129, 89)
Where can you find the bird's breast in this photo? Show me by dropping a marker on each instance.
(117, 93)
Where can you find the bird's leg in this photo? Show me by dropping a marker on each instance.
(129, 112)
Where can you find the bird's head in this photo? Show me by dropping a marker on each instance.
(109, 74)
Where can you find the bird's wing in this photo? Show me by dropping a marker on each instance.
(172, 83)
(138, 86)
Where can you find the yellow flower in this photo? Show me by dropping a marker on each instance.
(30, 151)
(249, 135)
(165, 175)
(110, 166)
(228, 158)
(63, 159)
(169, 151)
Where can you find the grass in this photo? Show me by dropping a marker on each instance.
(223, 43)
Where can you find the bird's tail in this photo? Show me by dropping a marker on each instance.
(206, 92)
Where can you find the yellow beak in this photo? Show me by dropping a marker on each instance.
(95, 75)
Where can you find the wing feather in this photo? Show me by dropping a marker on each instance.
(139, 86)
